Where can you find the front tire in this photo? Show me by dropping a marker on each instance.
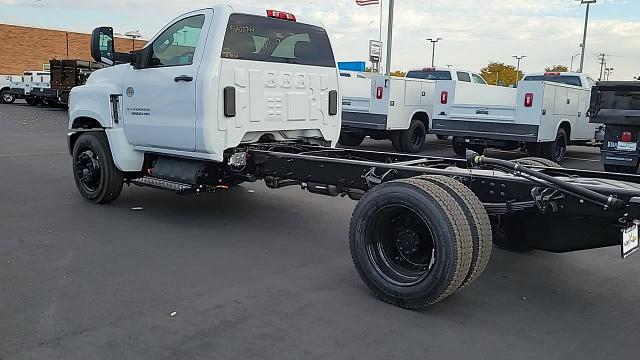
(411, 243)
(6, 97)
(96, 175)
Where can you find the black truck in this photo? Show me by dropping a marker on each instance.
(616, 104)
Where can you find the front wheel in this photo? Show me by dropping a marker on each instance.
(6, 97)
(96, 175)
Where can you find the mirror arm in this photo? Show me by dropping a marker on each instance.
(124, 57)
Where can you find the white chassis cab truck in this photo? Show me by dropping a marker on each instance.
(396, 108)
(545, 114)
(227, 95)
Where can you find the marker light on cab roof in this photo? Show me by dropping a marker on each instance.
(281, 15)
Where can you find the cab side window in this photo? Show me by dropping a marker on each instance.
(478, 79)
(463, 76)
(177, 44)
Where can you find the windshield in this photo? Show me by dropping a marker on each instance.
(562, 79)
(429, 75)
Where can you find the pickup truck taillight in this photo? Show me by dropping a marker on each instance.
(626, 136)
(528, 100)
(444, 97)
(379, 92)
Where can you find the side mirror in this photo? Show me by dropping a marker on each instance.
(102, 48)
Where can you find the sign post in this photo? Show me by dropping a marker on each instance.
(375, 54)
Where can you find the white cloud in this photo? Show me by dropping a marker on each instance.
(475, 32)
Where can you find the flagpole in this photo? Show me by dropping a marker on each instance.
(389, 38)
(381, 15)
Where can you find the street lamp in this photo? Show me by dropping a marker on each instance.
(434, 41)
(584, 36)
(608, 72)
(573, 57)
(133, 35)
(520, 57)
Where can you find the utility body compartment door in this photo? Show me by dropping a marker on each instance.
(159, 99)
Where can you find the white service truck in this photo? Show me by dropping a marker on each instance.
(543, 115)
(34, 87)
(5, 86)
(396, 108)
(226, 95)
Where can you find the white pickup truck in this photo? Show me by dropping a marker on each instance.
(226, 95)
(543, 115)
(394, 108)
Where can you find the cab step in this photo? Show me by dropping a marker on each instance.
(180, 188)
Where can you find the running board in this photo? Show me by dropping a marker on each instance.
(156, 183)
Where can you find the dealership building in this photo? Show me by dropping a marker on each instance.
(25, 48)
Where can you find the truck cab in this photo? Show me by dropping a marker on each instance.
(209, 81)
(432, 73)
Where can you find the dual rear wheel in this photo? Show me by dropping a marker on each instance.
(417, 241)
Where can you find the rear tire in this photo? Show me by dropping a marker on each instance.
(621, 169)
(351, 139)
(557, 150)
(536, 161)
(410, 242)
(6, 97)
(479, 222)
(414, 138)
(96, 175)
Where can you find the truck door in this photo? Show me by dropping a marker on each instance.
(160, 97)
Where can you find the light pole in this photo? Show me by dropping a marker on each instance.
(519, 58)
(133, 35)
(434, 41)
(608, 72)
(573, 57)
(584, 36)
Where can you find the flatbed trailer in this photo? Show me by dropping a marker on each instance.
(424, 226)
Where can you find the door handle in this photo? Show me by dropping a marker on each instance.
(184, 78)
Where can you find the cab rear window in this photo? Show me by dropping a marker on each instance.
(260, 38)
(429, 75)
(561, 79)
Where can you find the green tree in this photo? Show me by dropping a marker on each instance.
(557, 68)
(500, 74)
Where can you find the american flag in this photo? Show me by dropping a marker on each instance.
(367, 2)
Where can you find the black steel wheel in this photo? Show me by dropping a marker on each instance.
(414, 138)
(6, 97)
(351, 138)
(95, 174)
(411, 243)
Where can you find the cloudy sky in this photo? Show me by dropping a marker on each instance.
(474, 31)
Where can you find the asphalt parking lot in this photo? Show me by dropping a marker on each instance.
(254, 273)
